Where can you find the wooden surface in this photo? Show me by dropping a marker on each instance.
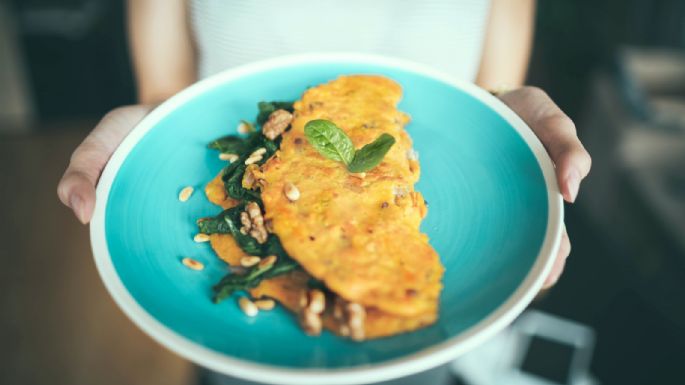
(58, 325)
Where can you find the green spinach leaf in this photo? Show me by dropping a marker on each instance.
(234, 172)
(231, 144)
(252, 278)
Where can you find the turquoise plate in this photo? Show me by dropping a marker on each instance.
(495, 218)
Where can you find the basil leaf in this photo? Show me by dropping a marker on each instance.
(266, 108)
(329, 140)
(372, 154)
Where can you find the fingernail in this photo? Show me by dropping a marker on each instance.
(76, 204)
(572, 185)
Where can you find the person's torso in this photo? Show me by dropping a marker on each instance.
(445, 34)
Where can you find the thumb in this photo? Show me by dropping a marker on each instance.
(76, 189)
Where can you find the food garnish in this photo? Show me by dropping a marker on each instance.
(332, 142)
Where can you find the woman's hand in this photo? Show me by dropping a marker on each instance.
(77, 187)
(557, 133)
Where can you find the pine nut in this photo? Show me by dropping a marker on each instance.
(317, 301)
(185, 194)
(311, 323)
(304, 299)
(249, 261)
(259, 151)
(229, 157)
(193, 264)
(245, 127)
(291, 192)
(248, 307)
(253, 159)
(201, 237)
(265, 304)
(357, 334)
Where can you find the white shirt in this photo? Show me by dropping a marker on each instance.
(445, 34)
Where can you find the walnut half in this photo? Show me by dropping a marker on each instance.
(277, 123)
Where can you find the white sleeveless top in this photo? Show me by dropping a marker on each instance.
(445, 34)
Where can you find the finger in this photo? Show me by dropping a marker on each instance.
(559, 262)
(557, 133)
(76, 189)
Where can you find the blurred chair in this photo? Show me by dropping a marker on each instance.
(537, 349)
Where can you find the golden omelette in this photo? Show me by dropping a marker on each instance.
(357, 233)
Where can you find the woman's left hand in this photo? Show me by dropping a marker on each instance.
(557, 133)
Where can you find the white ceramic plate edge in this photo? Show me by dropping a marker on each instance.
(407, 365)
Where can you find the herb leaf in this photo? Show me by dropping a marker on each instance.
(234, 172)
(372, 154)
(266, 108)
(329, 140)
(231, 144)
(253, 277)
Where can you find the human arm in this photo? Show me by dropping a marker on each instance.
(504, 64)
(163, 63)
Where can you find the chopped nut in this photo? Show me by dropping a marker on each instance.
(193, 264)
(248, 307)
(277, 123)
(245, 127)
(267, 262)
(311, 323)
(357, 334)
(317, 301)
(265, 304)
(291, 191)
(253, 210)
(249, 178)
(201, 237)
(351, 316)
(338, 311)
(253, 222)
(253, 159)
(412, 154)
(359, 175)
(269, 226)
(304, 299)
(229, 157)
(259, 151)
(245, 220)
(185, 194)
(249, 260)
(400, 192)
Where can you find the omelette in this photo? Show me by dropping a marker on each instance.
(360, 266)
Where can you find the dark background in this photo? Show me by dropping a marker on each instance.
(625, 277)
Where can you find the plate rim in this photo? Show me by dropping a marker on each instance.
(419, 361)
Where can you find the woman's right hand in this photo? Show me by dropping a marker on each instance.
(76, 189)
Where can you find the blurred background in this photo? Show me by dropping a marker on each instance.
(617, 67)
